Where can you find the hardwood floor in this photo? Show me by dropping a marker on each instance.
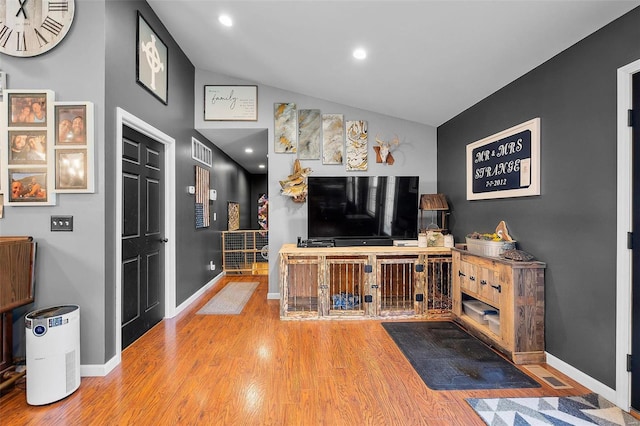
(254, 369)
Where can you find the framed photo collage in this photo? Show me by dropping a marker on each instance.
(47, 147)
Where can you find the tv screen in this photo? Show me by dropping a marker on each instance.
(362, 207)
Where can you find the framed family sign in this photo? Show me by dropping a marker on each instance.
(231, 103)
(506, 164)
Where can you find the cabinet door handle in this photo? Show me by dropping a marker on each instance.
(472, 278)
(497, 287)
(460, 274)
(483, 282)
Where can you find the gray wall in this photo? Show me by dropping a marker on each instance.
(572, 225)
(194, 247)
(70, 267)
(78, 267)
(415, 156)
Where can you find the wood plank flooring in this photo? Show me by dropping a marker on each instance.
(254, 369)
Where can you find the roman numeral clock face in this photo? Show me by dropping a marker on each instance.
(33, 27)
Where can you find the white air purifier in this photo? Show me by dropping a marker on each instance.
(53, 353)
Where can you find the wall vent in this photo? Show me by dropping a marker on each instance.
(200, 152)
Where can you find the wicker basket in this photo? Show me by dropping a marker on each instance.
(489, 248)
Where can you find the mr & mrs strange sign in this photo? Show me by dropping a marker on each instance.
(506, 164)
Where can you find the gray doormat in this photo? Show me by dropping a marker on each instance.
(230, 300)
(448, 358)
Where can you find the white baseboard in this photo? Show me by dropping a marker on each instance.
(582, 378)
(273, 296)
(97, 370)
(184, 305)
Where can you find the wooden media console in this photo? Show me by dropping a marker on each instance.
(357, 282)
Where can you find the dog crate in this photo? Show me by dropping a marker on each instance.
(245, 252)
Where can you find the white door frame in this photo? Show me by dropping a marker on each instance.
(125, 118)
(624, 261)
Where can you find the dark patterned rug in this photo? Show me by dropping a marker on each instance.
(448, 358)
(570, 410)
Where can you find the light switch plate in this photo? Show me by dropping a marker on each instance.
(62, 223)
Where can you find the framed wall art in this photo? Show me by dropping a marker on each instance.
(74, 147)
(233, 214)
(231, 103)
(72, 170)
(71, 123)
(152, 61)
(506, 164)
(29, 186)
(285, 127)
(309, 134)
(357, 145)
(332, 138)
(28, 109)
(202, 197)
(27, 147)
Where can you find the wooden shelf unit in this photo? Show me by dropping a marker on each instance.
(358, 282)
(515, 289)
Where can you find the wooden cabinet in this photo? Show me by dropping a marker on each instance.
(515, 290)
(339, 282)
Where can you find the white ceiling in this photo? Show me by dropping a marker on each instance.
(427, 60)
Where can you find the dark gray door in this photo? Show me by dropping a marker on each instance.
(635, 307)
(142, 234)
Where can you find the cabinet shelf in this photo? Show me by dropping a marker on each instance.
(515, 289)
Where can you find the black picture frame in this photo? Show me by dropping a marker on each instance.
(150, 46)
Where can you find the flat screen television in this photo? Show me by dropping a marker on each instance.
(362, 210)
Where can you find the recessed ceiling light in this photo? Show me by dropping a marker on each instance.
(359, 53)
(225, 20)
(261, 166)
(248, 150)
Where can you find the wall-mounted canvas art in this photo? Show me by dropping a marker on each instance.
(357, 145)
(332, 138)
(202, 197)
(309, 134)
(285, 127)
(233, 210)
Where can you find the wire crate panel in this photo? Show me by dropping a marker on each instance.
(245, 252)
(439, 283)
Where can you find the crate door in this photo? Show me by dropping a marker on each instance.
(346, 284)
(302, 286)
(396, 285)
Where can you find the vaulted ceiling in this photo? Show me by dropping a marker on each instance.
(427, 61)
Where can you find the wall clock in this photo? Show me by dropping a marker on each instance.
(32, 27)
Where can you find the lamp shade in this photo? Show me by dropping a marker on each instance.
(433, 202)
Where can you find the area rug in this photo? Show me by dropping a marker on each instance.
(448, 358)
(590, 409)
(230, 300)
